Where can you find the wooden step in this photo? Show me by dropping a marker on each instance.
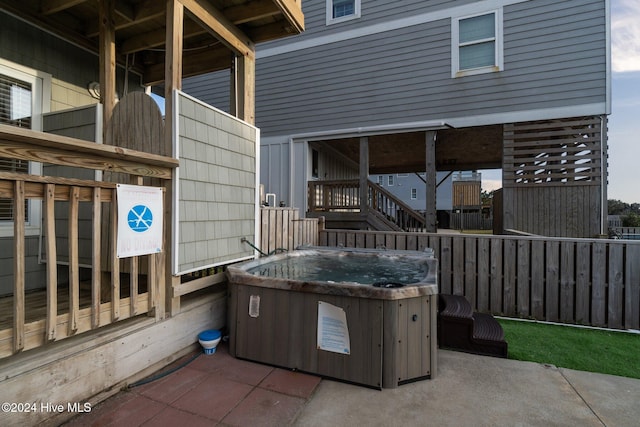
(485, 327)
(455, 306)
(461, 329)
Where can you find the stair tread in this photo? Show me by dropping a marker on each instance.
(485, 327)
(455, 306)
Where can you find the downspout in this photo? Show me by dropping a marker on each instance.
(604, 166)
(292, 174)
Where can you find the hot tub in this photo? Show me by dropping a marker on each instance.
(280, 303)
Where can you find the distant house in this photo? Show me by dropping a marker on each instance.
(374, 88)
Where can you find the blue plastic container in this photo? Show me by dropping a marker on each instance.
(209, 340)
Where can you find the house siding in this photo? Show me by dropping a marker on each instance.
(217, 180)
(31, 47)
(554, 57)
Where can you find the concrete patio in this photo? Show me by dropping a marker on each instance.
(468, 391)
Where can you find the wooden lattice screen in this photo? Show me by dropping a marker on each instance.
(553, 152)
(554, 176)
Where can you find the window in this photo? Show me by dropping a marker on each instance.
(21, 95)
(390, 180)
(342, 10)
(476, 44)
(380, 180)
(414, 193)
(15, 110)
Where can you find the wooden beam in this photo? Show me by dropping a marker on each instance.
(157, 38)
(271, 31)
(364, 177)
(107, 61)
(173, 81)
(292, 11)
(194, 63)
(125, 10)
(243, 97)
(221, 27)
(251, 11)
(27, 144)
(146, 11)
(430, 212)
(49, 7)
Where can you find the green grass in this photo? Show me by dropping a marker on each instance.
(582, 349)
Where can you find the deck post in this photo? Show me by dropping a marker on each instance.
(173, 82)
(364, 178)
(430, 181)
(107, 61)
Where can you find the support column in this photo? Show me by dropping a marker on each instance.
(243, 87)
(107, 56)
(173, 81)
(430, 208)
(364, 179)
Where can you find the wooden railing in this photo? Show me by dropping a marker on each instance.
(344, 196)
(334, 196)
(580, 281)
(396, 211)
(61, 309)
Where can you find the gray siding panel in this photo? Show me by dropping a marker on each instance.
(212, 89)
(373, 12)
(554, 57)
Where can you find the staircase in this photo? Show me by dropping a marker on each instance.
(339, 202)
(460, 328)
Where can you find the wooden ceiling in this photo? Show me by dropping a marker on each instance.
(140, 28)
(469, 148)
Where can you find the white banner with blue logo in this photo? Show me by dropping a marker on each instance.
(140, 216)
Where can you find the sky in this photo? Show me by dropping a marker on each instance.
(624, 121)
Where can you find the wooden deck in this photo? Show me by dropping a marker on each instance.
(36, 310)
(36, 301)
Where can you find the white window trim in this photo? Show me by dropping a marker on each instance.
(414, 194)
(390, 181)
(455, 45)
(331, 20)
(40, 104)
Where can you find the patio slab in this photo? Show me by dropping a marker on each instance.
(469, 390)
(475, 390)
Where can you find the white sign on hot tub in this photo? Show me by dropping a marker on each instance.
(333, 333)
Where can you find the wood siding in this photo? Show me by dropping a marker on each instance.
(554, 56)
(31, 47)
(580, 281)
(553, 173)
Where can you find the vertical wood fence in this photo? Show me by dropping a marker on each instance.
(580, 281)
(282, 228)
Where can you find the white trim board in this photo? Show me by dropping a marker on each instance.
(468, 9)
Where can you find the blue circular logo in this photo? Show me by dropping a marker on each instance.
(140, 218)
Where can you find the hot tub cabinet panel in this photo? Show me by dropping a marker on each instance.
(285, 333)
(392, 332)
(409, 340)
